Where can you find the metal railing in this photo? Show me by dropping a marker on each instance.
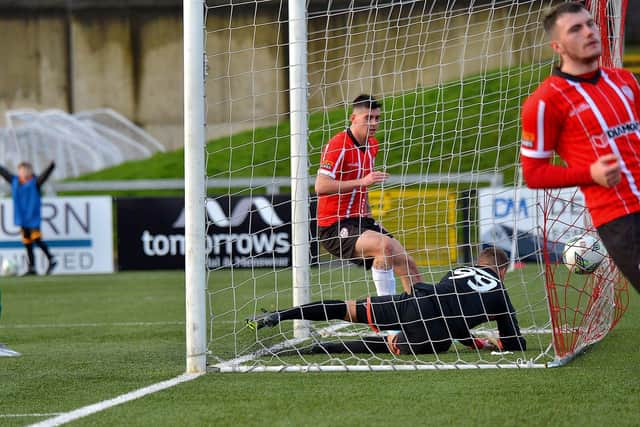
(272, 185)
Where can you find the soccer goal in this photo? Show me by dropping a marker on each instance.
(268, 83)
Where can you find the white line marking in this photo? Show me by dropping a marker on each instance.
(28, 415)
(88, 325)
(105, 404)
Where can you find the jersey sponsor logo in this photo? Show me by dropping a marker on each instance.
(579, 109)
(623, 129)
(327, 164)
(344, 232)
(477, 279)
(628, 92)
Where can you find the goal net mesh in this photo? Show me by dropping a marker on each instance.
(451, 76)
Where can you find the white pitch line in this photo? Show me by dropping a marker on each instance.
(105, 404)
(87, 325)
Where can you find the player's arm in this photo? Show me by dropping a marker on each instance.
(540, 173)
(6, 174)
(326, 184)
(511, 338)
(42, 178)
(540, 135)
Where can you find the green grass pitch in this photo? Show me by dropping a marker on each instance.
(85, 339)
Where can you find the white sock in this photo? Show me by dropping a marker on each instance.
(384, 280)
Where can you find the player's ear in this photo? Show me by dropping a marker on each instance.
(502, 272)
(557, 47)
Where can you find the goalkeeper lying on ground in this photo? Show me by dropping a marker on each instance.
(429, 318)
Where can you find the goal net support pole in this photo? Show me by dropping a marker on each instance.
(299, 162)
(194, 177)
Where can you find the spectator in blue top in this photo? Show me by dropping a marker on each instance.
(27, 202)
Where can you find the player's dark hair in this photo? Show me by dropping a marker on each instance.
(550, 20)
(493, 257)
(25, 165)
(366, 101)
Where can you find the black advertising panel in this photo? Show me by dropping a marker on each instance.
(242, 231)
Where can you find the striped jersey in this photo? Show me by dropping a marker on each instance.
(344, 159)
(581, 119)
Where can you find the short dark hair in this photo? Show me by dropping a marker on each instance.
(366, 101)
(550, 20)
(25, 165)
(493, 257)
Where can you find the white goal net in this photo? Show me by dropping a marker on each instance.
(451, 77)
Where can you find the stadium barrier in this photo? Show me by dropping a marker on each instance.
(270, 185)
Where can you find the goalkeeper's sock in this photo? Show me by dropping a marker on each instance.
(325, 310)
(384, 280)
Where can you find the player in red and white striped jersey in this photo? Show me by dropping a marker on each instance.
(346, 227)
(589, 116)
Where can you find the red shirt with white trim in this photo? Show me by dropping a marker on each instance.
(582, 118)
(343, 159)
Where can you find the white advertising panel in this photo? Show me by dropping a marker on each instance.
(503, 210)
(78, 231)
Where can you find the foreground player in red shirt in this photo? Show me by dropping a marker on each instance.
(346, 227)
(589, 115)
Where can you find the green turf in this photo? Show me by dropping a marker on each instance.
(89, 338)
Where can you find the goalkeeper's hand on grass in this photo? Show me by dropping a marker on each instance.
(488, 343)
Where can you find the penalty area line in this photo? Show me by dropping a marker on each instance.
(106, 404)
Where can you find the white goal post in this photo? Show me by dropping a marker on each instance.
(268, 82)
(194, 186)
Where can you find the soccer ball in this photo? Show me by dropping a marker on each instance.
(9, 267)
(583, 254)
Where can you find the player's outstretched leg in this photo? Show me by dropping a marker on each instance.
(266, 319)
(322, 310)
